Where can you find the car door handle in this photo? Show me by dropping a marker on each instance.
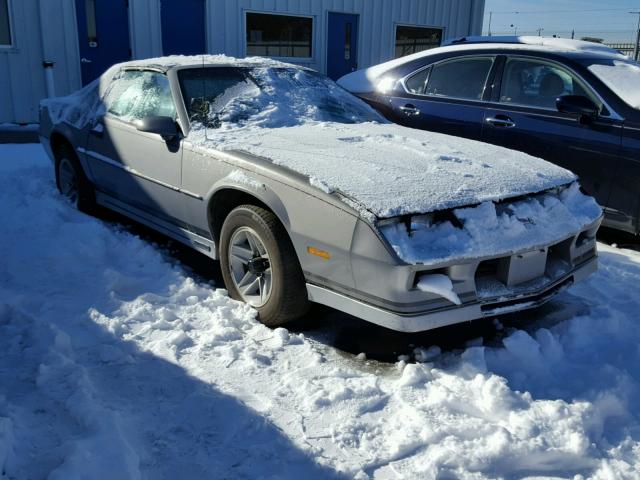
(85, 60)
(410, 110)
(501, 121)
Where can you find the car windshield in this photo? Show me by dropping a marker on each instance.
(231, 97)
(621, 76)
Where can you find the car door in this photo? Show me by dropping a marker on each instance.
(139, 168)
(624, 201)
(445, 97)
(523, 116)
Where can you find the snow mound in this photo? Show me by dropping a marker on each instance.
(118, 363)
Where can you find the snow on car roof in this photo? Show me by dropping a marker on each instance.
(366, 80)
(562, 44)
(173, 61)
(83, 106)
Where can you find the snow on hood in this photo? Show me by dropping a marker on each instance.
(392, 170)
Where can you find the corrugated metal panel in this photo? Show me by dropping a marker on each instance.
(21, 72)
(378, 20)
(43, 30)
(145, 29)
(60, 43)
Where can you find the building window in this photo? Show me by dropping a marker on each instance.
(279, 35)
(5, 25)
(415, 39)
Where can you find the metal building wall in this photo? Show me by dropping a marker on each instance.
(378, 18)
(41, 30)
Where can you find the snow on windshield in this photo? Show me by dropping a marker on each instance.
(227, 98)
(623, 77)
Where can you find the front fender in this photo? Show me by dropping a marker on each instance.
(249, 183)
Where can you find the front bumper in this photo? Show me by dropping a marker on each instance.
(481, 308)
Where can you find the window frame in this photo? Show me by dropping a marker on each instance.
(112, 116)
(605, 109)
(493, 56)
(394, 38)
(314, 24)
(11, 46)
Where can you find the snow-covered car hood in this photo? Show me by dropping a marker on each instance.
(391, 170)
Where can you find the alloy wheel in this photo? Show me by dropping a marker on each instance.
(250, 267)
(68, 180)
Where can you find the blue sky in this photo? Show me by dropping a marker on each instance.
(608, 19)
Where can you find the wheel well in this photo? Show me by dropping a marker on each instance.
(58, 142)
(223, 202)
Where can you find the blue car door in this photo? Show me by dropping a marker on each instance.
(447, 97)
(523, 116)
(624, 201)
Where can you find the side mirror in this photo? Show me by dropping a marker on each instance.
(578, 105)
(164, 126)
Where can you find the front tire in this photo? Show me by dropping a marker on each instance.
(260, 266)
(72, 183)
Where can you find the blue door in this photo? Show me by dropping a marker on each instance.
(342, 44)
(103, 34)
(183, 27)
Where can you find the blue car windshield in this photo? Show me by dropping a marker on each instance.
(620, 75)
(229, 97)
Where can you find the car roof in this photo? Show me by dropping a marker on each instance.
(364, 80)
(560, 46)
(181, 61)
(548, 44)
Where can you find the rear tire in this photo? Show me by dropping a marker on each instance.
(260, 266)
(72, 183)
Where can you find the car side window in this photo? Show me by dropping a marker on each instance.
(462, 78)
(136, 94)
(537, 83)
(417, 82)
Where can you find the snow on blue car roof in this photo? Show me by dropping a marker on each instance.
(366, 80)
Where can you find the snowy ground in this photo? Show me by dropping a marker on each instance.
(118, 362)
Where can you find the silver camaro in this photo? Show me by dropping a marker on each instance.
(305, 194)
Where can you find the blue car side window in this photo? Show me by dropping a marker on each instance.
(462, 78)
(538, 83)
(417, 82)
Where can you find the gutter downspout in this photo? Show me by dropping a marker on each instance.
(48, 76)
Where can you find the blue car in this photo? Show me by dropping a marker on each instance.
(576, 104)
